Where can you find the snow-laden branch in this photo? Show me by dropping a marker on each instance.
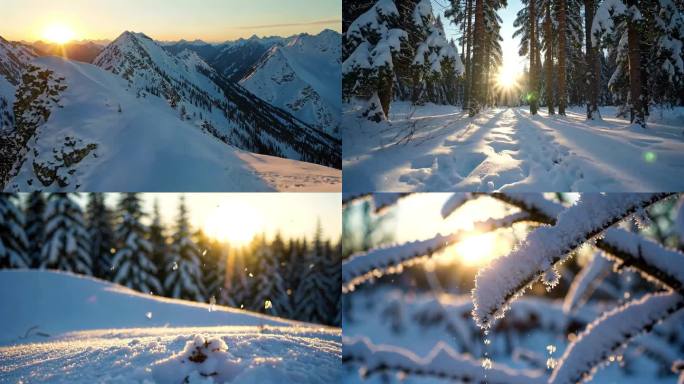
(539, 208)
(390, 259)
(380, 201)
(442, 362)
(455, 202)
(503, 222)
(507, 277)
(650, 259)
(586, 282)
(611, 332)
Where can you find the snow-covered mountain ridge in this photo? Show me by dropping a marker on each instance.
(303, 77)
(209, 100)
(80, 127)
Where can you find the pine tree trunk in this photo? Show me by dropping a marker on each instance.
(592, 82)
(634, 54)
(468, 56)
(478, 59)
(548, 60)
(534, 95)
(385, 90)
(562, 97)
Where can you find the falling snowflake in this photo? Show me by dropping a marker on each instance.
(204, 252)
(268, 304)
(148, 315)
(487, 341)
(175, 266)
(551, 349)
(250, 274)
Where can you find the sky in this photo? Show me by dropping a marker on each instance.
(291, 214)
(209, 20)
(509, 45)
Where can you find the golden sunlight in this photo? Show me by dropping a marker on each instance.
(58, 33)
(507, 78)
(234, 222)
(478, 250)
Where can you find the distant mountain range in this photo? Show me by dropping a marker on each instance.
(136, 102)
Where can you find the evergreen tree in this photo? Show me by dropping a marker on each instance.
(132, 261)
(35, 226)
(158, 243)
(183, 274)
(370, 46)
(314, 292)
(213, 267)
(101, 232)
(269, 284)
(67, 245)
(13, 242)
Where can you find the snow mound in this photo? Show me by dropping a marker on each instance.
(202, 357)
(45, 304)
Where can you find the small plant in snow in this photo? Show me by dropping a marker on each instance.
(202, 357)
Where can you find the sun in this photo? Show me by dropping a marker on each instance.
(507, 78)
(477, 250)
(58, 33)
(234, 222)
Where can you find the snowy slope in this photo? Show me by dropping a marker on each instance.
(145, 147)
(224, 109)
(439, 148)
(65, 328)
(304, 78)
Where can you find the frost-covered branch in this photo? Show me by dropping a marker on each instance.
(586, 282)
(380, 201)
(390, 259)
(503, 222)
(455, 202)
(507, 277)
(650, 259)
(540, 209)
(611, 332)
(442, 362)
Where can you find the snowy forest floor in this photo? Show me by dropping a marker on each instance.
(64, 328)
(440, 148)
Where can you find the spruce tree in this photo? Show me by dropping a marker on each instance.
(35, 226)
(101, 232)
(13, 242)
(213, 266)
(183, 274)
(158, 243)
(269, 284)
(132, 261)
(313, 294)
(67, 244)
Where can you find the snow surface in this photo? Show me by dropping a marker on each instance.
(145, 147)
(440, 148)
(66, 328)
(286, 175)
